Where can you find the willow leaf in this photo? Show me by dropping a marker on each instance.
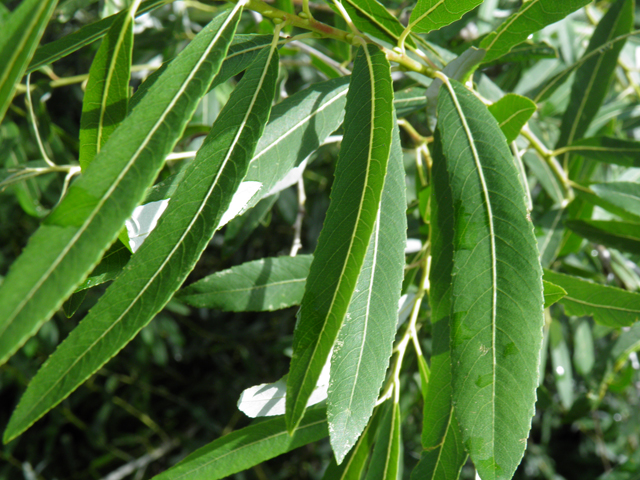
(88, 34)
(111, 264)
(593, 77)
(19, 38)
(371, 17)
(443, 453)
(74, 236)
(552, 293)
(621, 235)
(616, 151)
(431, 15)
(496, 292)
(534, 15)
(409, 100)
(247, 447)
(625, 195)
(609, 306)
(261, 285)
(512, 112)
(343, 242)
(104, 105)
(363, 347)
(385, 459)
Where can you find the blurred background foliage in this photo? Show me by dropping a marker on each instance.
(175, 387)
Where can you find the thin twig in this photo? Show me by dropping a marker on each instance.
(297, 226)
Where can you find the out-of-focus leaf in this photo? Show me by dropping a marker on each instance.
(168, 255)
(609, 306)
(430, 15)
(604, 149)
(363, 347)
(583, 353)
(625, 195)
(525, 52)
(354, 209)
(112, 263)
(261, 285)
(532, 16)
(611, 199)
(593, 77)
(552, 293)
(548, 181)
(561, 362)
(240, 228)
(386, 458)
(247, 447)
(409, 100)
(512, 112)
(443, 453)
(106, 97)
(496, 292)
(62, 47)
(373, 18)
(72, 239)
(19, 38)
(624, 236)
(73, 303)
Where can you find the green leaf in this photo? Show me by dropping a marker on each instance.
(371, 17)
(353, 465)
(431, 15)
(624, 236)
(619, 198)
(561, 362)
(512, 112)
(363, 347)
(497, 320)
(594, 76)
(409, 100)
(240, 228)
(104, 105)
(609, 306)
(88, 34)
(583, 353)
(525, 52)
(386, 460)
(261, 285)
(443, 453)
(616, 151)
(112, 263)
(74, 236)
(552, 293)
(18, 40)
(343, 242)
(247, 447)
(534, 15)
(548, 180)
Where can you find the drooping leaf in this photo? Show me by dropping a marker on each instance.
(609, 306)
(386, 459)
(497, 300)
(548, 180)
(430, 15)
(247, 447)
(168, 255)
(64, 46)
(112, 263)
(443, 453)
(525, 52)
(240, 228)
(343, 242)
(261, 285)
(371, 17)
(19, 38)
(512, 112)
(532, 16)
(561, 363)
(363, 347)
(106, 97)
(583, 350)
(593, 77)
(552, 293)
(616, 151)
(72, 239)
(624, 236)
(625, 195)
(409, 100)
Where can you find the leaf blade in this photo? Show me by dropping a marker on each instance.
(431, 15)
(621, 235)
(512, 112)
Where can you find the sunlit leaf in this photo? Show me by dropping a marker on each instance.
(430, 15)
(386, 459)
(552, 293)
(616, 151)
(624, 236)
(371, 17)
(512, 112)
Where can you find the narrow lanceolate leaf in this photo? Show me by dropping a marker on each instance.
(343, 243)
(247, 447)
(561, 364)
(105, 100)
(89, 218)
(625, 195)
(261, 285)
(111, 264)
(409, 100)
(552, 293)
(371, 17)
(533, 15)
(624, 236)
(616, 151)
(496, 292)
(361, 355)
(385, 459)
(64, 46)
(525, 52)
(431, 15)
(593, 77)
(443, 453)
(19, 38)
(609, 306)
(512, 112)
